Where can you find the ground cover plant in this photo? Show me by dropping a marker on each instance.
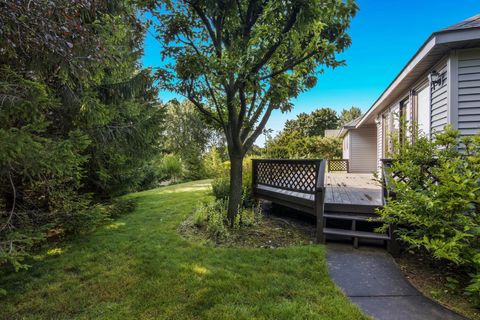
(140, 267)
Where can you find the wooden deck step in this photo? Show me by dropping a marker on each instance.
(356, 234)
(351, 216)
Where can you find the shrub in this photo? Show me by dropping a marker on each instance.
(220, 187)
(214, 166)
(171, 167)
(88, 218)
(439, 215)
(221, 183)
(213, 216)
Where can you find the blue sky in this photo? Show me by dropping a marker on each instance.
(385, 35)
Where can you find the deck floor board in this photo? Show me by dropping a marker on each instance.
(342, 188)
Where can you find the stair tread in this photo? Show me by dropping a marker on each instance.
(351, 216)
(356, 234)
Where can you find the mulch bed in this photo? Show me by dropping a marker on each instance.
(438, 281)
(271, 231)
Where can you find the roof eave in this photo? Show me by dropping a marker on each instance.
(435, 39)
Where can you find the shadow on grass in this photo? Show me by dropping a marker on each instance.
(142, 268)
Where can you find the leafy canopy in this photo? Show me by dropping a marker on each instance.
(348, 115)
(238, 60)
(314, 123)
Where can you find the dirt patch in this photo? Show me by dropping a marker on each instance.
(269, 232)
(438, 281)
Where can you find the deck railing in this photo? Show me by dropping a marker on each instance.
(304, 176)
(388, 174)
(338, 165)
(294, 175)
(389, 193)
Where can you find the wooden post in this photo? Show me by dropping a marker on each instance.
(319, 200)
(392, 244)
(254, 177)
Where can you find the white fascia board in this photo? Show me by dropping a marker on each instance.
(421, 54)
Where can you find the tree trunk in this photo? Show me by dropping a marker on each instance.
(235, 195)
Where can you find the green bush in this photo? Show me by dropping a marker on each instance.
(221, 183)
(213, 216)
(220, 187)
(88, 218)
(214, 166)
(171, 167)
(439, 215)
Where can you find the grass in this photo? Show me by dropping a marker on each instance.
(139, 267)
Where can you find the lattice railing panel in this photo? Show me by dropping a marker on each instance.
(338, 165)
(388, 174)
(292, 175)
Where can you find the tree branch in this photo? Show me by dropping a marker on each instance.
(201, 108)
(290, 66)
(215, 102)
(243, 106)
(239, 8)
(255, 116)
(288, 26)
(249, 142)
(208, 26)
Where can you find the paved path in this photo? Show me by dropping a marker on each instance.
(372, 280)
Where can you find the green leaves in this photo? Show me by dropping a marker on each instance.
(435, 207)
(78, 120)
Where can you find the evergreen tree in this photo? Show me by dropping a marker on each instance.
(79, 117)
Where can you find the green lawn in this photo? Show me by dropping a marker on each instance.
(140, 267)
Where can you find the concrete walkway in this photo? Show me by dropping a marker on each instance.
(371, 279)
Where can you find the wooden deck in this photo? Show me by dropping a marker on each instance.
(341, 188)
(352, 189)
(344, 204)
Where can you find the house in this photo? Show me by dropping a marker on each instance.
(440, 85)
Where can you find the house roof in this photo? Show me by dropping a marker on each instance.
(465, 34)
(472, 22)
(349, 125)
(352, 123)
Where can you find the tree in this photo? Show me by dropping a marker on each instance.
(294, 145)
(171, 167)
(314, 123)
(78, 116)
(238, 61)
(348, 115)
(187, 136)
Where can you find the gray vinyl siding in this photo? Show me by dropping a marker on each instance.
(469, 92)
(439, 102)
(363, 150)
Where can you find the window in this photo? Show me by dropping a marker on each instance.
(422, 111)
(393, 124)
(385, 133)
(404, 119)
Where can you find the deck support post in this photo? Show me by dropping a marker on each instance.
(392, 244)
(319, 208)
